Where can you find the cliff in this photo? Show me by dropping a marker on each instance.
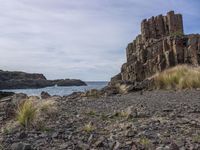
(161, 45)
(22, 80)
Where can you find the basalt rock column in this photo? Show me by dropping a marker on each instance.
(161, 44)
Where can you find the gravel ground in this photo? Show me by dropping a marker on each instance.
(155, 120)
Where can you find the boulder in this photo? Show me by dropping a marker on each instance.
(45, 95)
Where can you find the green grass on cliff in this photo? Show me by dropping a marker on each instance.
(179, 77)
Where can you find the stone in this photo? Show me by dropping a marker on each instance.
(99, 142)
(22, 135)
(161, 45)
(21, 146)
(45, 95)
(117, 145)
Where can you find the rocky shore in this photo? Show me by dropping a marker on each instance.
(154, 120)
(125, 115)
(22, 80)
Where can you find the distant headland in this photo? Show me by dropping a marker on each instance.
(23, 80)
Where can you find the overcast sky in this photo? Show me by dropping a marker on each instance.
(83, 39)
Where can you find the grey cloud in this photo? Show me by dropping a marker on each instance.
(83, 39)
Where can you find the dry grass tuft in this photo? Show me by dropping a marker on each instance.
(179, 77)
(123, 113)
(47, 107)
(145, 142)
(34, 112)
(88, 127)
(26, 113)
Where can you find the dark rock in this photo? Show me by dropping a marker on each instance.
(22, 80)
(45, 95)
(22, 135)
(5, 94)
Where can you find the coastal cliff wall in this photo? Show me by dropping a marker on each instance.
(161, 44)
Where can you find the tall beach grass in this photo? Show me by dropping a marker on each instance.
(178, 77)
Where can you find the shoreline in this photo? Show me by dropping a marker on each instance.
(59, 90)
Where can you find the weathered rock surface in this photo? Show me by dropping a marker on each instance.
(22, 80)
(161, 44)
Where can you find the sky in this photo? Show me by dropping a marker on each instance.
(81, 39)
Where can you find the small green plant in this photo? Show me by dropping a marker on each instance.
(145, 142)
(104, 116)
(123, 113)
(88, 127)
(42, 127)
(26, 113)
(91, 113)
(196, 138)
(6, 130)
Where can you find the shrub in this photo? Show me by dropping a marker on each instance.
(123, 114)
(88, 127)
(47, 107)
(26, 113)
(179, 77)
(145, 142)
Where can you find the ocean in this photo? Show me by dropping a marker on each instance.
(60, 90)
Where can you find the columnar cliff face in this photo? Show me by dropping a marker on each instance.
(161, 44)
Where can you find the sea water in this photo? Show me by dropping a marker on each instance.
(60, 90)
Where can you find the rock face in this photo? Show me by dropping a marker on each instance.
(20, 80)
(161, 44)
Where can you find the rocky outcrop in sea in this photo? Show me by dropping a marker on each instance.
(22, 80)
